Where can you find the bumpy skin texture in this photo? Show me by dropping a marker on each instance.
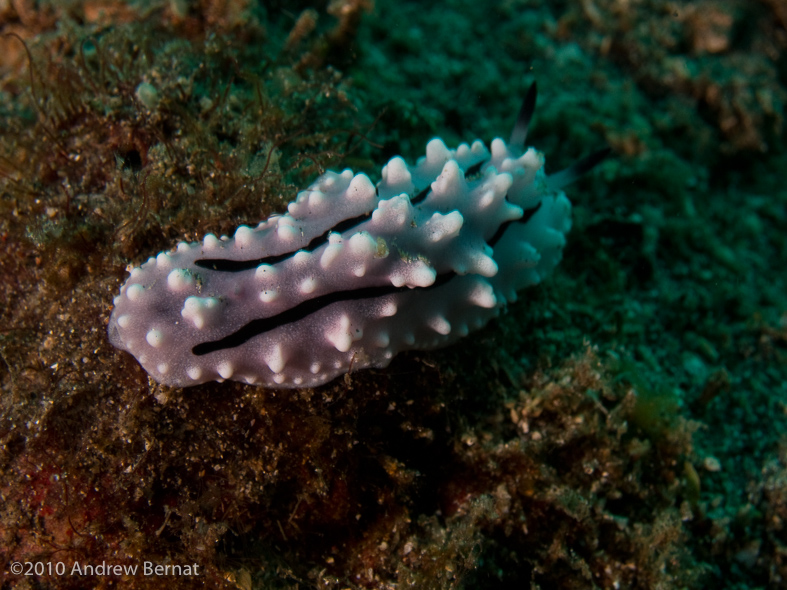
(351, 275)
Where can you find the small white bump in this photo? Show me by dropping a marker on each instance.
(155, 338)
(180, 279)
(331, 252)
(279, 378)
(361, 189)
(164, 260)
(342, 342)
(200, 310)
(393, 212)
(244, 236)
(436, 151)
(395, 173)
(124, 321)
(163, 368)
(328, 180)
(342, 334)
(265, 271)
(440, 325)
(525, 256)
(269, 295)
(316, 198)
(499, 149)
(551, 239)
(421, 275)
(382, 340)
(134, 292)
(483, 265)
(486, 200)
(194, 372)
(362, 244)
(315, 368)
(441, 227)
(286, 233)
(136, 274)
(211, 242)
(225, 369)
(308, 285)
(501, 183)
(483, 295)
(449, 184)
(388, 309)
(183, 247)
(275, 359)
(300, 198)
(532, 158)
(301, 257)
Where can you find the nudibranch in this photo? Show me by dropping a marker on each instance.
(354, 272)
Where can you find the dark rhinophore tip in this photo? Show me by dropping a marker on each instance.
(519, 133)
(577, 169)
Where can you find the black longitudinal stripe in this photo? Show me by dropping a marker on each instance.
(526, 216)
(421, 195)
(304, 309)
(474, 169)
(227, 265)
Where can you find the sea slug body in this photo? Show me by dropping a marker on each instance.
(353, 273)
